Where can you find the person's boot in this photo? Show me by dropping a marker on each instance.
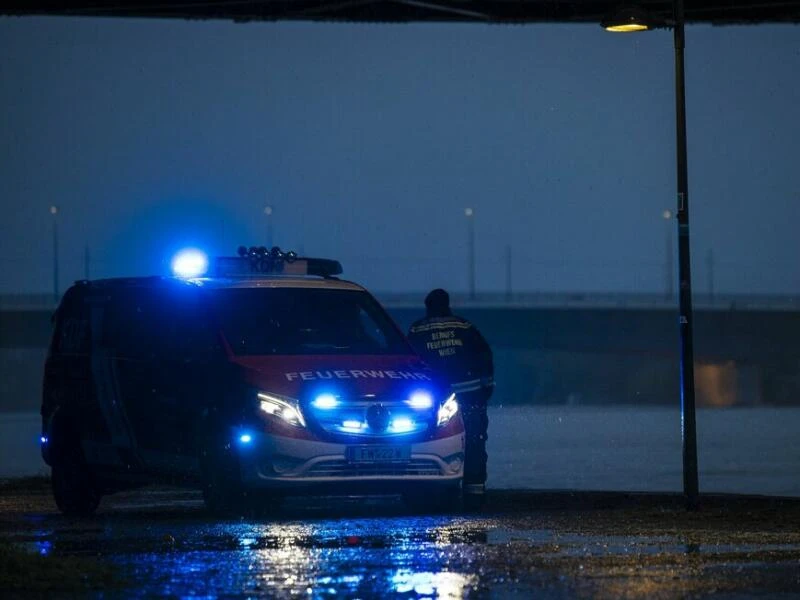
(474, 496)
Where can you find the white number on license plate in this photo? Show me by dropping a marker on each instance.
(378, 453)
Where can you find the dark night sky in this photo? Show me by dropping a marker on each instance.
(369, 141)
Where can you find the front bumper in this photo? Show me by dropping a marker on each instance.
(272, 461)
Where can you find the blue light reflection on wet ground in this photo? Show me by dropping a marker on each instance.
(346, 557)
(166, 545)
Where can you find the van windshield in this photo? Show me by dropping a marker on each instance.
(290, 321)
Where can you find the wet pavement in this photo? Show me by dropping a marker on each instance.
(523, 544)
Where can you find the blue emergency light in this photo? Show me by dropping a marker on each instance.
(189, 263)
(325, 402)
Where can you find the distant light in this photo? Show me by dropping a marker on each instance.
(401, 425)
(43, 439)
(189, 263)
(420, 400)
(268, 210)
(53, 210)
(245, 438)
(325, 402)
(667, 214)
(468, 212)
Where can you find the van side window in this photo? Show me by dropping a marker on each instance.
(188, 329)
(72, 325)
(158, 324)
(131, 325)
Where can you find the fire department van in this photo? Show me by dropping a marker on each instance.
(265, 377)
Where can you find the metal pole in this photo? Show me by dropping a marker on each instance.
(508, 273)
(86, 259)
(711, 275)
(688, 416)
(268, 213)
(54, 212)
(669, 264)
(471, 251)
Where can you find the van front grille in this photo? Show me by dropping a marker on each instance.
(342, 468)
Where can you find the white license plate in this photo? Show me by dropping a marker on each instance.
(378, 453)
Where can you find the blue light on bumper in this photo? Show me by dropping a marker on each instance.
(325, 402)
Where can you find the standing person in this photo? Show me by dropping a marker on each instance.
(454, 348)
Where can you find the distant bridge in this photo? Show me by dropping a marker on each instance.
(727, 302)
(561, 347)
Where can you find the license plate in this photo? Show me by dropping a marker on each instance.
(360, 454)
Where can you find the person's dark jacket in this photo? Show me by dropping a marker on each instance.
(453, 347)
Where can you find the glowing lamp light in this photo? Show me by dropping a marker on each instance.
(245, 438)
(352, 425)
(630, 19)
(627, 27)
(420, 400)
(401, 425)
(189, 263)
(43, 439)
(325, 402)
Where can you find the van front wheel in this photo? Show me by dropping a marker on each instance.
(73, 486)
(222, 488)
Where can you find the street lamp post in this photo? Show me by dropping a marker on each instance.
(636, 19)
(688, 412)
(268, 214)
(669, 268)
(54, 212)
(470, 214)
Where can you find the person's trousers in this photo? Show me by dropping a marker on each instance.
(476, 424)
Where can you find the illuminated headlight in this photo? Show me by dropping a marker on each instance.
(283, 408)
(447, 411)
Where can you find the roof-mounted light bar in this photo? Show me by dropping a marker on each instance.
(259, 260)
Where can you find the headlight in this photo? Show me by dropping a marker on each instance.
(447, 411)
(283, 408)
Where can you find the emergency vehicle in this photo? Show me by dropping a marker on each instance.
(259, 376)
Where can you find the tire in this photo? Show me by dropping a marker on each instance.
(263, 503)
(474, 502)
(73, 486)
(433, 499)
(223, 493)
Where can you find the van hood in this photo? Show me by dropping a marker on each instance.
(382, 377)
